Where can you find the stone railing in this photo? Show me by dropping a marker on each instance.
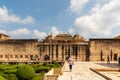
(63, 68)
(53, 74)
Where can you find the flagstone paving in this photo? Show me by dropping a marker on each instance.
(81, 71)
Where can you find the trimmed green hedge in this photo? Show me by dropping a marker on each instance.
(25, 72)
(2, 78)
(39, 77)
(10, 77)
(42, 69)
(12, 71)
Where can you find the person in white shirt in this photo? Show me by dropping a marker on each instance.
(71, 62)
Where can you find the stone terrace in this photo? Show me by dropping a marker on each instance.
(81, 71)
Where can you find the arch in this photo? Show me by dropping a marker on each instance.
(46, 57)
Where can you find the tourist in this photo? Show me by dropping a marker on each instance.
(119, 61)
(108, 59)
(71, 62)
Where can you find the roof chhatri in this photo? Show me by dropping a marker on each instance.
(63, 37)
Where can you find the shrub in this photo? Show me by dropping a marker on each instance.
(10, 77)
(56, 64)
(8, 66)
(2, 78)
(13, 78)
(50, 65)
(42, 69)
(45, 63)
(40, 77)
(1, 73)
(5, 76)
(25, 72)
(37, 66)
(12, 71)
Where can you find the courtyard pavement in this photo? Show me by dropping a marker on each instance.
(81, 71)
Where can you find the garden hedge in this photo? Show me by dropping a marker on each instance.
(25, 72)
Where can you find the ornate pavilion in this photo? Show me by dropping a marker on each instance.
(61, 46)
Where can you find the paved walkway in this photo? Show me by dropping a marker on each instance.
(81, 71)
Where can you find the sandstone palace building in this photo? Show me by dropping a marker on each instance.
(58, 48)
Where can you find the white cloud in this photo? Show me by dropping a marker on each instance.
(96, 8)
(6, 17)
(3, 31)
(27, 20)
(55, 30)
(39, 35)
(101, 21)
(19, 32)
(24, 33)
(77, 5)
(71, 30)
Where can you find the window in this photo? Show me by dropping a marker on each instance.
(26, 56)
(36, 56)
(16, 56)
(1, 56)
(6, 56)
(11, 56)
(21, 56)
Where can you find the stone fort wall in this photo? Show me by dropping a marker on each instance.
(101, 48)
(18, 50)
(59, 48)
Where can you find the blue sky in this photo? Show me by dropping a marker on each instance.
(38, 18)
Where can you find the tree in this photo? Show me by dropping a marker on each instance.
(25, 72)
